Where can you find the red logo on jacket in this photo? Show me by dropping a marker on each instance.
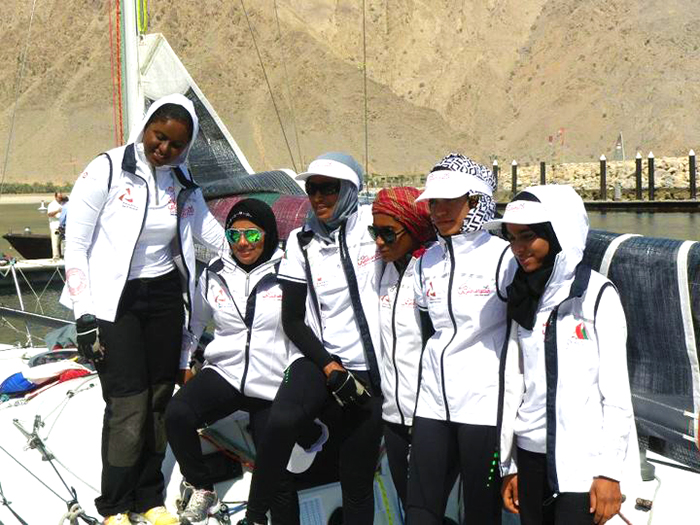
(126, 196)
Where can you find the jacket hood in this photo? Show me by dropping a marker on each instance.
(136, 135)
(565, 211)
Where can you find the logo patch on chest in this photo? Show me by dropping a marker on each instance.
(580, 332)
(127, 199)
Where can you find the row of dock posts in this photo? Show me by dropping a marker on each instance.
(604, 172)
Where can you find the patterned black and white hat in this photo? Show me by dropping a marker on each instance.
(457, 175)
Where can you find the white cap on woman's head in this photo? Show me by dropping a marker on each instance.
(337, 166)
(457, 175)
(521, 212)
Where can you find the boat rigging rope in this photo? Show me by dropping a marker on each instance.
(5, 503)
(115, 103)
(34, 441)
(269, 87)
(289, 90)
(33, 475)
(364, 77)
(20, 74)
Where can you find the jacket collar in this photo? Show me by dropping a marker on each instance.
(230, 266)
(129, 165)
(464, 242)
(129, 159)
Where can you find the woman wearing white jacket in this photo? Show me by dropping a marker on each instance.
(401, 228)
(135, 212)
(457, 290)
(567, 428)
(245, 361)
(330, 276)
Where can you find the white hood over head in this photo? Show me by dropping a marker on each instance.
(136, 135)
(566, 213)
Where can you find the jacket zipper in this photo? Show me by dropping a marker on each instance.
(448, 242)
(184, 193)
(249, 329)
(155, 185)
(393, 355)
(143, 223)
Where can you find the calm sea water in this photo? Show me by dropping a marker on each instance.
(15, 217)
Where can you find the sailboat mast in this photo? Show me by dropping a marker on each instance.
(131, 74)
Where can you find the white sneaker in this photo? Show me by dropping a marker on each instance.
(301, 459)
(201, 505)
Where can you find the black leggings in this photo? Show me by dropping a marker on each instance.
(204, 399)
(437, 446)
(397, 439)
(142, 351)
(536, 507)
(299, 400)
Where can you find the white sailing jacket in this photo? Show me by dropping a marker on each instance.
(457, 284)
(108, 210)
(329, 311)
(401, 343)
(574, 363)
(249, 349)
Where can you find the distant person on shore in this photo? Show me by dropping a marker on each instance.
(53, 212)
(130, 278)
(63, 217)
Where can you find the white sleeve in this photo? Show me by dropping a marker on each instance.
(418, 292)
(206, 228)
(201, 314)
(87, 199)
(613, 382)
(293, 265)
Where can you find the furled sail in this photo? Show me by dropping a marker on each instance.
(659, 284)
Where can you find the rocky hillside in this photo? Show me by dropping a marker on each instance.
(529, 79)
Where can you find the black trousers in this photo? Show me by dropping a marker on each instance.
(299, 400)
(437, 447)
(397, 439)
(206, 398)
(534, 496)
(138, 373)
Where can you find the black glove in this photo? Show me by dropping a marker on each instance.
(89, 345)
(347, 389)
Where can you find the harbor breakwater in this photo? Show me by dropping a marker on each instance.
(672, 178)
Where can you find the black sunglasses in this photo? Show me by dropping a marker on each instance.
(388, 235)
(326, 188)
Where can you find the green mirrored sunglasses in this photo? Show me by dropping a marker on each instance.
(252, 235)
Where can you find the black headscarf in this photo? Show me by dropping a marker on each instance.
(525, 291)
(260, 214)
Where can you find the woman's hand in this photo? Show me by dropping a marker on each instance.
(509, 492)
(330, 367)
(606, 499)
